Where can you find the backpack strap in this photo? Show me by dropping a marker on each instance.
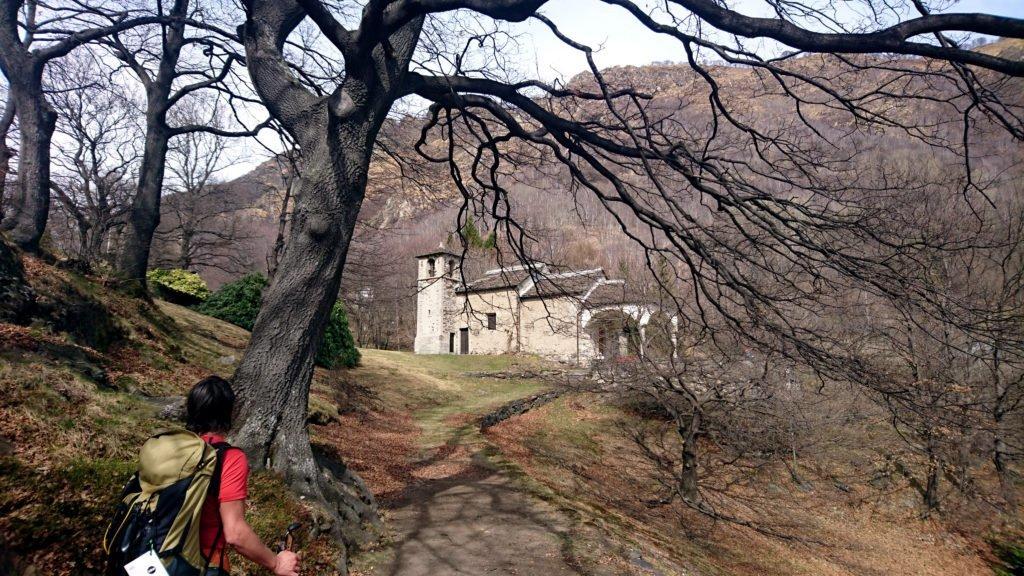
(221, 448)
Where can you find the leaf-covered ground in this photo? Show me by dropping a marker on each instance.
(72, 418)
(559, 490)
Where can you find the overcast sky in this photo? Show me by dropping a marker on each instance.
(618, 38)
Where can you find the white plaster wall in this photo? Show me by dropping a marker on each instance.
(473, 314)
(548, 328)
(553, 328)
(429, 312)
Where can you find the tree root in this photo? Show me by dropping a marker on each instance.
(344, 507)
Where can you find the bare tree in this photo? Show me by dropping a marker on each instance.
(202, 228)
(712, 420)
(952, 384)
(721, 197)
(997, 369)
(185, 57)
(31, 36)
(929, 409)
(96, 154)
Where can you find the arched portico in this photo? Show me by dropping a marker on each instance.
(610, 332)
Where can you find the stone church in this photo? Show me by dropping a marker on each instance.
(573, 316)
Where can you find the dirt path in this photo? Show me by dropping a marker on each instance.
(475, 523)
(461, 514)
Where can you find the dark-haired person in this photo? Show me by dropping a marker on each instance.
(208, 413)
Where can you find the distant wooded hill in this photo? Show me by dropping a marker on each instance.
(412, 206)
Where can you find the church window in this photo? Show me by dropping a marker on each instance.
(431, 267)
(492, 321)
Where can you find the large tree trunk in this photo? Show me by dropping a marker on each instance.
(336, 135)
(6, 121)
(144, 216)
(94, 249)
(274, 376)
(85, 243)
(30, 207)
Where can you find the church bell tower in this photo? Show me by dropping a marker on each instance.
(436, 278)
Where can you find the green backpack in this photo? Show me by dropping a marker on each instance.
(161, 505)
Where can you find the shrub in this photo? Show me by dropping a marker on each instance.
(178, 286)
(1011, 558)
(236, 302)
(338, 348)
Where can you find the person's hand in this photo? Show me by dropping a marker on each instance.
(287, 564)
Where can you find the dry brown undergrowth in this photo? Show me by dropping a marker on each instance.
(857, 534)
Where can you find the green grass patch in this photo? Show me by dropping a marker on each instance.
(1010, 555)
(450, 365)
(471, 398)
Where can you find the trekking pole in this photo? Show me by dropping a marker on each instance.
(287, 539)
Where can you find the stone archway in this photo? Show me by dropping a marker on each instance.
(615, 333)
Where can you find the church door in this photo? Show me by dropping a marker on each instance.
(464, 341)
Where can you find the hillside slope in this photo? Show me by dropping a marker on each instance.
(77, 406)
(418, 200)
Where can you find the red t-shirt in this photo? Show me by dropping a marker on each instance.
(234, 485)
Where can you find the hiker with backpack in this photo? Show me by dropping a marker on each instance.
(187, 501)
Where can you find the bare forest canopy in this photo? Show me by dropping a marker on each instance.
(411, 207)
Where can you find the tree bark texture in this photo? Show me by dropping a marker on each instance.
(336, 135)
(6, 121)
(26, 216)
(144, 216)
(274, 376)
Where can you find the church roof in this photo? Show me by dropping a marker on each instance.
(496, 280)
(441, 249)
(591, 286)
(608, 293)
(564, 284)
(548, 282)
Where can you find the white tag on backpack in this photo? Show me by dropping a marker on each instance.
(148, 564)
